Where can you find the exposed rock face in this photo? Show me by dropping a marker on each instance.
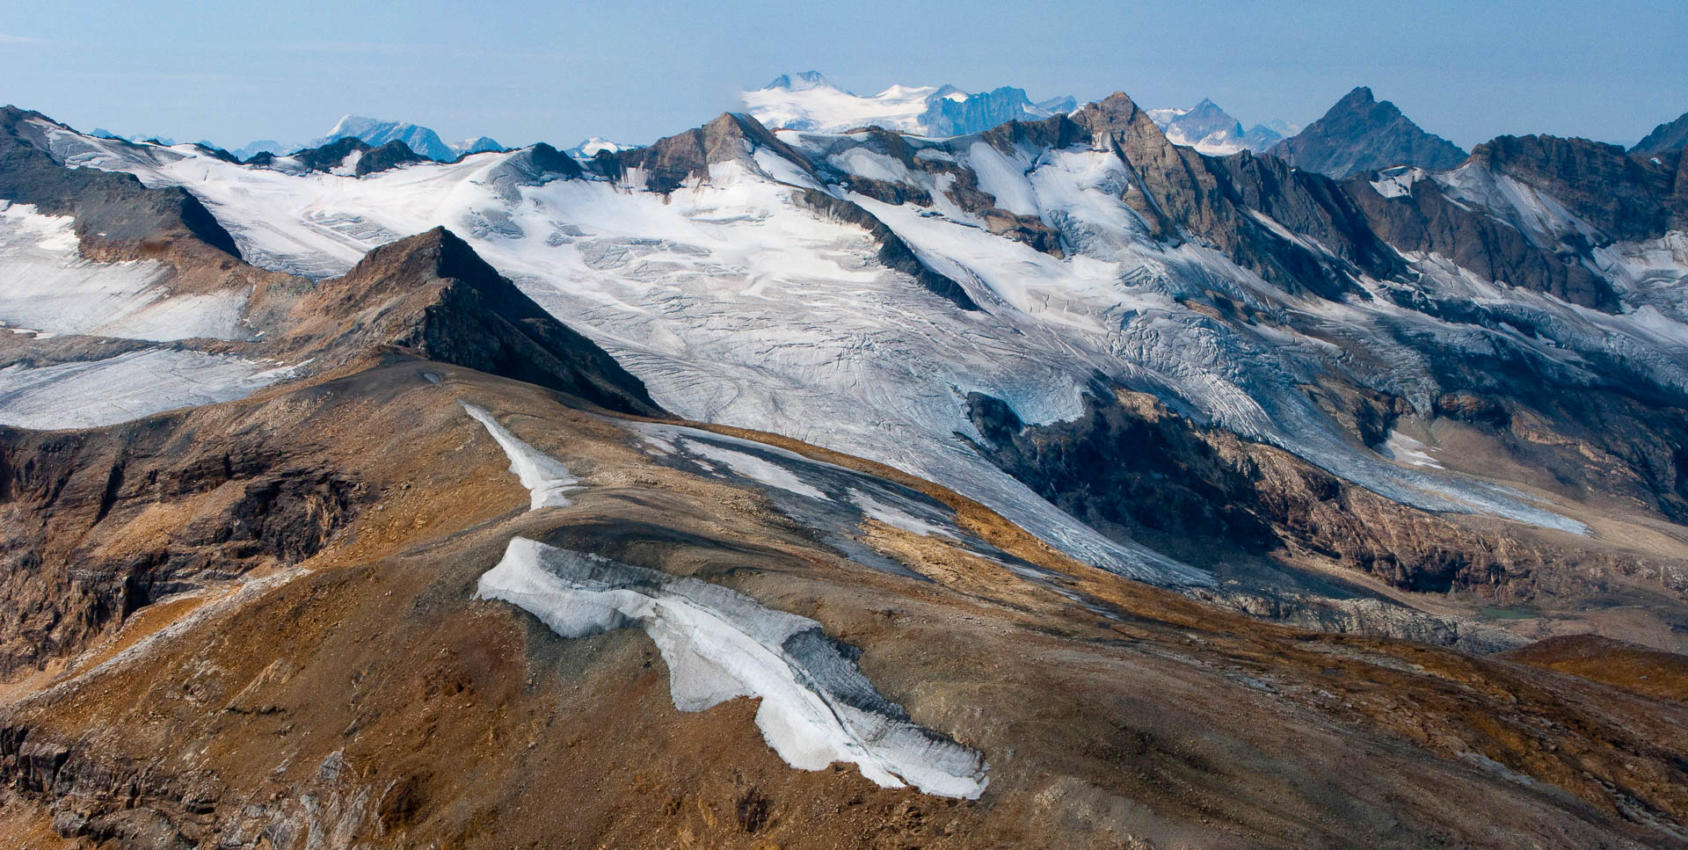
(893, 251)
(1129, 465)
(433, 295)
(1360, 134)
(1183, 194)
(1626, 197)
(333, 155)
(1669, 136)
(240, 503)
(1430, 221)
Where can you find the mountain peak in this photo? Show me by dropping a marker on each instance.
(1667, 137)
(1208, 128)
(432, 294)
(377, 132)
(1359, 96)
(801, 81)
(1359, 134)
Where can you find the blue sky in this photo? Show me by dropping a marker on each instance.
(636, 70)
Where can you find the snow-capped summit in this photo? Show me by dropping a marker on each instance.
(590, 147)
(809, 101)
(483, 144)
(377, 132)
(1211, 130)
(802, 81)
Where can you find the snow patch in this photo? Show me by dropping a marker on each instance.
(1405, 449)
(755, 468)
(545, 477)
(817, 707)
(895, 517)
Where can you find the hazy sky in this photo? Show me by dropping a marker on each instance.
(636, 70)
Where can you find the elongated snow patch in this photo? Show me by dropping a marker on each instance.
(543, 475)
(817, 708)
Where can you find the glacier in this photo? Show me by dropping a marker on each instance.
(46, 284)
(737, 304)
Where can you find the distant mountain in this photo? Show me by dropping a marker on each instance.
(1672, 136)
(376, 132)
(252, 149)
(1213, 131)
(590, 148)
(484, 144)
(809, 101)
(1361, 134)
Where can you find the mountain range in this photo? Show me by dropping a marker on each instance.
(809, 101)
(375, 132)
(853, 471)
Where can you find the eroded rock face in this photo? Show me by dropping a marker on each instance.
(1430, 222)
(671, 161)
(102, 523)
(1131, 465)
(1625, 197)
(893, 251)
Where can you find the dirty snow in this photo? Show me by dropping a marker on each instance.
(816, 706)
(546, 478)
(129, 386)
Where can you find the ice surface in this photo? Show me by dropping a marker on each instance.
(817, 708)
(756, 468)
(128, 386)
(545, 477)
(45, 283)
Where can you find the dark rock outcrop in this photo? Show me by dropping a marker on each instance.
(1132, 468)
(1625, 197)
(894, 253)
(1182, 194)
(1361, 134)
(328, 157)
(1429, 221)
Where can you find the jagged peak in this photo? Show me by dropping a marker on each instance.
(1358, 96)
(435, 253)
(801, 81)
